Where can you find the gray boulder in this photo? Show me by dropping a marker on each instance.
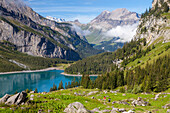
(122, 110)
(114, 110)
(140, 102)
(22, 97)
(166, 106)
(76, 107)
(4, 99)
(95, 110)
(104, 111)
(17, 98)
(12, 99)
(92, 93)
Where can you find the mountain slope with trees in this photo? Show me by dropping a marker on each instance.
(142, 65)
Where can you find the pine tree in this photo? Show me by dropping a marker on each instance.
(166, 7)
(36, 90)
(66, 86)
(60, 85)
(54, 87)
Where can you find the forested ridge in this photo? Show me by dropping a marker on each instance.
(154, 77)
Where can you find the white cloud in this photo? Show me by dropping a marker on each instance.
(80, 31)
(126, 33)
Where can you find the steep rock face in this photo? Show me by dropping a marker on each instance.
(33, 44)
(119, 17)
(154, 27)
(36, 35)
(159, 2)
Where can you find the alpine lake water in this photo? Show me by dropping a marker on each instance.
(43, 81)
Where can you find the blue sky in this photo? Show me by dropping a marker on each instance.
(84, 10)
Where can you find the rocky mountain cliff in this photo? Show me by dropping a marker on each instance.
(154, 25)
(38, 36)
(102, 27)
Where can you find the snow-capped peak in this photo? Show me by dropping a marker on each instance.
(55, 19)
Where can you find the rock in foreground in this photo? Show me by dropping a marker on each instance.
(76, 107)
(16, 99)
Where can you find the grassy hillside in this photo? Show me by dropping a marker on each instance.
(57, 101)
(8, 52)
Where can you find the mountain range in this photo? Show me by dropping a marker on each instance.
(119, 24)
(35, 35)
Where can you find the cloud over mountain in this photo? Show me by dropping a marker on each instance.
(125, 32)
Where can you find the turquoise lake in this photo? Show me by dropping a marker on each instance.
(43, 81)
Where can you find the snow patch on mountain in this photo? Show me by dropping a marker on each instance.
(56, 19)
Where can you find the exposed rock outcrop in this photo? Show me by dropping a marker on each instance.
(154, 27)
(76, 107)
(4, 98)
(140, 102)
(17, 98)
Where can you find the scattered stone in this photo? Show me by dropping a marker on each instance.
(49, 111)
(32, 92)
(22, 103)
(104, 111)
(44, 93)
(76, 107)
(130, 111)
(75, 93)
(120, 102)
(113, 102)
(92, 98)
(57, 99)
(123, 94)
(123, 102)
(4, 98)
(92, 93)
(13, 109)
(40, 111)
(165, 96)
(22, 108)
(114, 109)
(31, 99)
(140, 102)
(95, 110)
(166, 106)
(113, 91)
(122, 110)
(157, 96)
(105, 91)
(32, 96)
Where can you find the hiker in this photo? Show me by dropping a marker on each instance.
(104, 98)
(109, 100)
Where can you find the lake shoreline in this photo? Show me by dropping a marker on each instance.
(31, 71)
(77, 75)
